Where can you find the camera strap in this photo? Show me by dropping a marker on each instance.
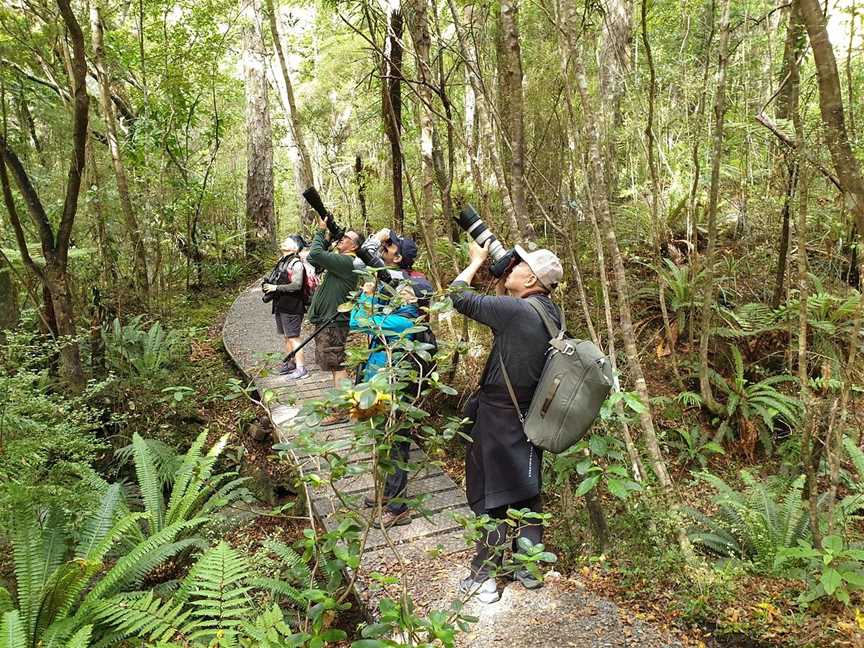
(510, 389)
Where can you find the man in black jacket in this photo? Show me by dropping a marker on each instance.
(288, 305)
(503, 468)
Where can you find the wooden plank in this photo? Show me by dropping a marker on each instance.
(325, 500)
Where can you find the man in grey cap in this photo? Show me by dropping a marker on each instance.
(502, 467)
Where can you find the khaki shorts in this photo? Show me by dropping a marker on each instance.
(330, 347)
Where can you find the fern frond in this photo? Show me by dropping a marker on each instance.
(218, 592)
(184, 475)
(27, 552)
(149, 483)
(793, 511)
(280, 588)
(12, 632)
(81, 639)
(127, 568)
(62, 592)
(100, 522)
(856, 456)
(126, 527)
(159, 556)
(144, 616)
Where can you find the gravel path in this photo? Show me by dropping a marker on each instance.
(561, 614)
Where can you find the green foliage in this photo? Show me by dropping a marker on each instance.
(597, 460)
(754, 408)
(60, 581)
(834, 571)
(694, 445)
(751, 525)
(132, 350)
(47, 439)
(196, 492)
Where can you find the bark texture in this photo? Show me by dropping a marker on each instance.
(260, 218)
(831, 107)
(511, 90)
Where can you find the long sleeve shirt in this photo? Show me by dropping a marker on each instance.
(338, 280)
(520, 336)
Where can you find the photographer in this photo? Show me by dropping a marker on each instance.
(396, 253)
(287, 304)
(338, 281)
(383, 328)
(503, 468)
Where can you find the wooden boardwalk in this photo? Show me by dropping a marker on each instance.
(432, 554)
(249, 334)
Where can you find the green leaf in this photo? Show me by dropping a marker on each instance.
(830, 580)
(597, 445)
(586, 485)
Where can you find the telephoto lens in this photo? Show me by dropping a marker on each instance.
(502, 259)
(470, 221)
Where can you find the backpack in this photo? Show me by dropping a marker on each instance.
(575, 381)
(310, 282)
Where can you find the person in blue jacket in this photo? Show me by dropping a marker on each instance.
(366, 316)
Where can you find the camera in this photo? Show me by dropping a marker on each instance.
(314, 200)
(502, 259)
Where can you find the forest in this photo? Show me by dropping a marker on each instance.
(695, 165)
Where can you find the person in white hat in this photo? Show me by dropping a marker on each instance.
(502, 467)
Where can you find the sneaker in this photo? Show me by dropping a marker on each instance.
(390, 519)
(286, 366)
(299, 372)
(526, 578)
(485, 591)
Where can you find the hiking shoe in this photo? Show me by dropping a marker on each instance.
(299, 372)
(526, 578)
(286, 367)
(485, 591)
(391, 519)
(334, 419)
(370, 502)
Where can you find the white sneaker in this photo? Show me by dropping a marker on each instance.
(485, 591)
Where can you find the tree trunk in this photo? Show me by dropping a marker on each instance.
(8, 300)
(613, 64)
(304, 161)
(139, 255)
(787, 105)
(260, 219)
(108, 265)
(511, 84)
(717, 154)
(831, 108)
(360, 181)
(392, 108)
(419, 28)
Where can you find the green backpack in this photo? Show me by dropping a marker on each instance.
(575, 381)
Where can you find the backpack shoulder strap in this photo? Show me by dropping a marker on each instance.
(553, 330)
(510, 389)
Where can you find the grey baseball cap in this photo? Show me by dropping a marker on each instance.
(545, 265)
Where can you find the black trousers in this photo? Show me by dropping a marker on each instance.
(396, 483)
(490, 550)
